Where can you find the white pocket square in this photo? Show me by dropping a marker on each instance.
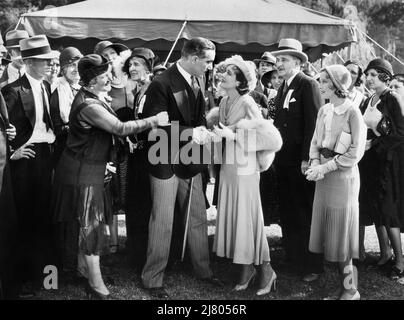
(292, 100)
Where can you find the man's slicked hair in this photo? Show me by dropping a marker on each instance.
(197, 46)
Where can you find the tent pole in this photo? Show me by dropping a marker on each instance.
(398, 60)
(18, 23)
(175, 42)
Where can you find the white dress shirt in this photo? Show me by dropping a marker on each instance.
(187, 76)
(39, 134)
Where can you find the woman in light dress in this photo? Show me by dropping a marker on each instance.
(240, 231)
(337, 146)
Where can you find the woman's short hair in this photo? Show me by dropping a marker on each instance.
(197, 46)
(242, 88)
(359, 79)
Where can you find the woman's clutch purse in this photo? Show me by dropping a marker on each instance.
(343, 143)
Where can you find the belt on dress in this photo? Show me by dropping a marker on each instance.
(327, 153)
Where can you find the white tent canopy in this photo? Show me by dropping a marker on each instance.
(240, 22)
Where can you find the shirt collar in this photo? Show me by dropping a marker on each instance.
(34, 82)
(184, 73)
(291, 78)
(342, 108)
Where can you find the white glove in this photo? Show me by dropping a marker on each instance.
(316, 173)
(224, 132)
(200, 135)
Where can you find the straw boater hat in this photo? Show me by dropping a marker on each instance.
(13, 38)
(266, 57)
(291, 47)
(37, 47)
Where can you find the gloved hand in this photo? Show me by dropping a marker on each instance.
(316, 173)
(201, 135)
(224, 132)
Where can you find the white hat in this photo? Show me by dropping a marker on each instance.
(246, 67)
(291, 47)
(37, 47)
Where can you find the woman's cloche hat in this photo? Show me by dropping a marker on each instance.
(266, 57)
(291, 47)
(92, 65)
(69, 55)
(37, 47)
(381, 65)
(246, 67)
(340, 77)
(102, 45)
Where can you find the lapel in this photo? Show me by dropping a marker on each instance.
(27, 100)
(178, 87)
(4, 78)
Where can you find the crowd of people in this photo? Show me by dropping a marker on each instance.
(80, 135)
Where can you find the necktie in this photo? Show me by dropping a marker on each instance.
(46, 117)
(285, 88)
(195, 85)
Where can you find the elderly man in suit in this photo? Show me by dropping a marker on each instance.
(179, 91)
(16, 68)
(297, 103)
(27, 101)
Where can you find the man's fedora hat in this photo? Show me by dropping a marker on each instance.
(291, 47)
(13, 38)
(37, 47)
(266, 57)
(102, 45)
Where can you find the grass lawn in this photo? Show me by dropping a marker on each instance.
(181, 284)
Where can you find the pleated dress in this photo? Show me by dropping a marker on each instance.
(335, 221)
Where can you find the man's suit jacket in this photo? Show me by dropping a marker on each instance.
(170, 92)
(297, 121)
(21, 109)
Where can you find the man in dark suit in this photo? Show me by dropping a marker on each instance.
(27, 101)
(179, 91)
(16, 69)
(297, 103)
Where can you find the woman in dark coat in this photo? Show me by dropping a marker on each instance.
(382, 172)
(79, 194)
(139, 68)
(8, 217)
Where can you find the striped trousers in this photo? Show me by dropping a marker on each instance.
(164, 194)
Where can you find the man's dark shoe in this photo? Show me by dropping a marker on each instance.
(214, 281)
(159, 293)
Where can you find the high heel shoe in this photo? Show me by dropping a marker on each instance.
(240, 287)
(355, 296)
(270, 285)
(92, 293)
